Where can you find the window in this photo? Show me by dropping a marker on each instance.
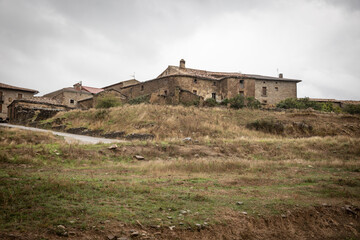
(213, 95)
(275, 82)
(165, 92)
(195, 92)
(142, 87)
(214, 83)
(20, 96)
(276, 89)
(264, 82)
(72, 101)
(264, 91)
(264, 101)
(10, 99)
(241, 93)
(241, 83)
(195, 80)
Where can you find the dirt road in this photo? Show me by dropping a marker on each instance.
(70, 138)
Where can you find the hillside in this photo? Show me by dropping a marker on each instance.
(296, 177)
(207, 124)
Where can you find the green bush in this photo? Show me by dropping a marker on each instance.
(352, 108)
(237, 102)
(302, 103)
(108, 101)
(327, 107)
(252, 103)
(225, 102)
(210, 102)
(141, 99)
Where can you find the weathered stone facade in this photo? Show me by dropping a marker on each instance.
(217, 85)
(70, 96)
(120, 85)
(33, 110)
(10, 93)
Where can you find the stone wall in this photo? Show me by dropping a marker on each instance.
(7, 97)
(276, 91)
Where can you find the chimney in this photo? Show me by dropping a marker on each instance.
(182, 63)
(280, 75)
(78, 86)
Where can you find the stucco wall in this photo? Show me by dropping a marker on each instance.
(8, 96)
(273, 96)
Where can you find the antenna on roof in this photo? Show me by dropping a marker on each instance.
(133, 75)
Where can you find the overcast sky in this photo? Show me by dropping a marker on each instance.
(52, 44)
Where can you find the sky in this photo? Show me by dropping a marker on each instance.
(51, 44)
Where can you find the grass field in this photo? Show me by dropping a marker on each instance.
(255, 186)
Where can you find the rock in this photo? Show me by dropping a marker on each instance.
(171, 228)
(169, 217)
(309, 166)
(245, 213)
(184, 211)
(239, 203)
(139, 157)
(123, 238)
(107, 221)
(72, 234)
(187, 139)
(61, 227)
(113, 147)
(111, 237)
(283, 215)
(134, 234)
(198, 225)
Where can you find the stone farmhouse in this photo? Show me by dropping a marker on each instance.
(216, 85)
(9, 93)
(71, 95)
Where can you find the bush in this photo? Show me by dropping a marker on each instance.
(352, 108)
(327, 107)
(210, 102)
(252, 103)
(302, 103)
(237, 102)
(108, 101)
(138, 100)
(225, 102)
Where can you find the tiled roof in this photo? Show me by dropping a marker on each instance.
(6, 86)
(122, 82)
(174, 70)
(92, 89)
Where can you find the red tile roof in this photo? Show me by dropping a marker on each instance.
(6, 86)
(92, 89)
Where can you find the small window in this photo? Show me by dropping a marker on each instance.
(72, 101)
(10, 99)
(264, 91)
(195, 80)
(241, 93)
(20, 96)
(276, 89)
(194, 91)
(142, 87)
(264, 101)
(214, 83)
(165, 92)
(275, 82)
(264, 82)
(213, 95)
(241, 83)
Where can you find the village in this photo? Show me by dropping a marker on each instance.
(175, 85)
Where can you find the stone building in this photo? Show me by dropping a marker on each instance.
(122, 84)
(32, 110)
(9, 93)
(92, 101)
(216, 85)
(71, 95)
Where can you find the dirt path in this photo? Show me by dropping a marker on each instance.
(70, 138)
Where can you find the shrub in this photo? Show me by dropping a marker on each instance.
(302, 103)
(225, 101)
(210, 102)
(253, 103)
(141, 99)
(352, 108)
(327, 107)
(237, 102)
(107, 101)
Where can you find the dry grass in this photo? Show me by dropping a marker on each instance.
(177, 122)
